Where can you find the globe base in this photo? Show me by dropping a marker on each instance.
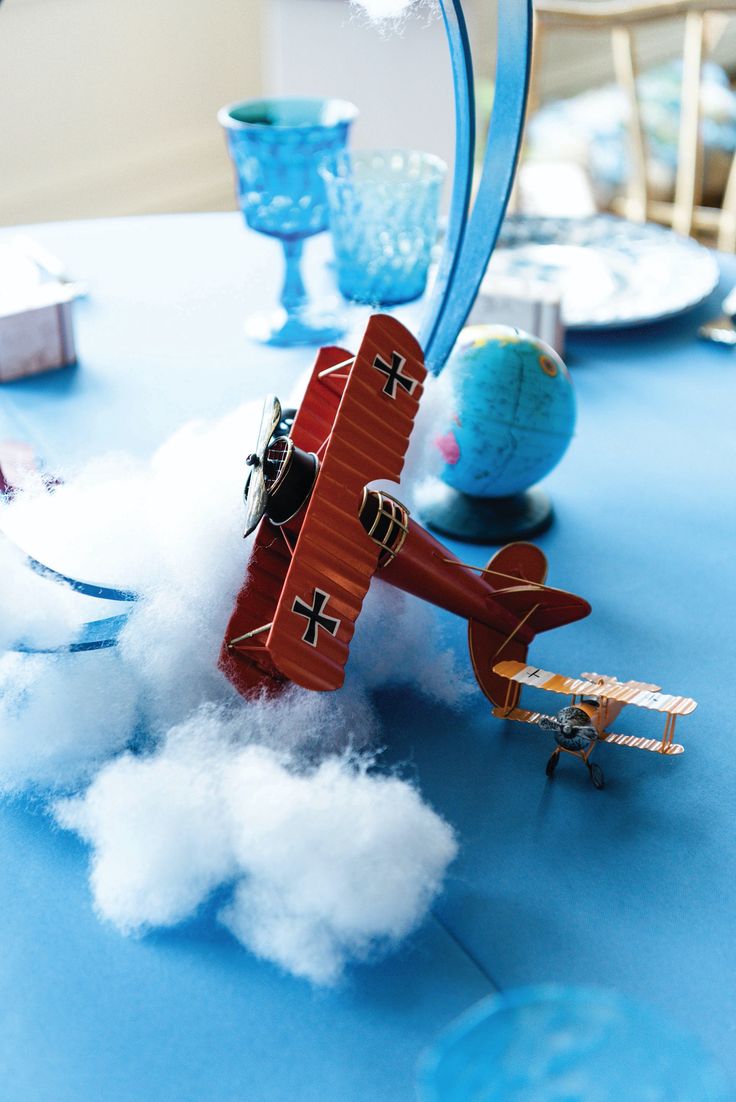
(306, 326)
(488, 520)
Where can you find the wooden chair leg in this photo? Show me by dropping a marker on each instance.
(532, 105)
(726, 241)
(624, 64)
(688, 183)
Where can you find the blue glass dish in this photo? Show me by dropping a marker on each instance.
(384, 206)
(568, 1044)
(276, 146)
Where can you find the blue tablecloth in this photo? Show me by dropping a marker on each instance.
(632, 888)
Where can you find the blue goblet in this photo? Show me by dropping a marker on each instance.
(383, 214)
(276, 146)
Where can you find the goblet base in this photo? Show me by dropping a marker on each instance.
(306, 326)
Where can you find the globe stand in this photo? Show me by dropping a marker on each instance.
(495, 520)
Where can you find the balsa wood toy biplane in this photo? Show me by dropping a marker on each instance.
(595, 702)
(323, 532)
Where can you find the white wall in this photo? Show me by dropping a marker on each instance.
(401, 82)
(108, 106)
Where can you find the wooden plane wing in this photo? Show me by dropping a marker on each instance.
(615, 681)
(334, 559)
(637, 693)
(655, 746)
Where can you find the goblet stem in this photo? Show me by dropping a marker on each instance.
(296, 322)
(293, 295)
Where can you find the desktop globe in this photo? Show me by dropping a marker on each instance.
(513, 414)
(509, 421)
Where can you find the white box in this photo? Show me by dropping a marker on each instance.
(527, 304)
(36, 332)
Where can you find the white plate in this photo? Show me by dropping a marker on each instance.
(609, 272)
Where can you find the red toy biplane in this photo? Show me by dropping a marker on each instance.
(322, 533)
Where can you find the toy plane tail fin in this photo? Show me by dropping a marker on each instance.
(517, 573)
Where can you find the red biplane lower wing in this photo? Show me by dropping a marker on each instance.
(244, 657)
(357, 416)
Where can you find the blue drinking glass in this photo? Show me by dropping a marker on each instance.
(384, 207)
(276, 146)
(568, 1044)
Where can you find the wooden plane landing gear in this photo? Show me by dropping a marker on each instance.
(552, 763)
(596, 774)
(595, 771)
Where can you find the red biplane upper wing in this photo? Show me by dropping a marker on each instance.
(334, 558)
(318, 409)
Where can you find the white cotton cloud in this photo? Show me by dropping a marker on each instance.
(156, 823)
(34, 610)
(61, 716)
(396, 643)
(140, 525)
(379, 10)
(325, 863)
(172, 531)
(169, 826)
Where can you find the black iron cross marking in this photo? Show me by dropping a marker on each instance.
(316, 619)
(394, 375)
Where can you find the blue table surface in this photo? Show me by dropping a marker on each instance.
(633, 888)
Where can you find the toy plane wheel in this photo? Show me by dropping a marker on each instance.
(552, 763)
(596, 775)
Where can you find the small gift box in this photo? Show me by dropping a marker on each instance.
(36, 331)
(527, 304)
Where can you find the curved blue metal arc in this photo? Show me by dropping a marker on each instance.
(89, 589)
(499, 166)
(464, 85)
(96, 635)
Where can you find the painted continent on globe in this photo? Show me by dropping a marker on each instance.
(512, 412)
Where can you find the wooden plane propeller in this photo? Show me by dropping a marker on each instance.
(595, 702)
(322, 533)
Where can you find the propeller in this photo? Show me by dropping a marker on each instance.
(256, 495)
(571, 727)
